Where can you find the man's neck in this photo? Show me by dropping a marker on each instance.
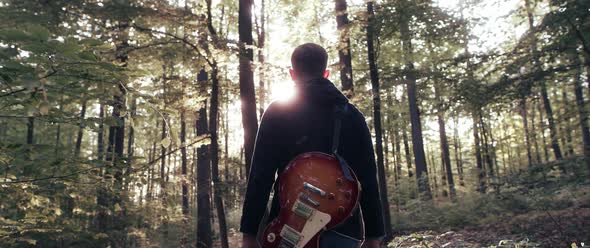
(306, 79)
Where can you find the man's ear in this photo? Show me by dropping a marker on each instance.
(326, 73)
(292, 73)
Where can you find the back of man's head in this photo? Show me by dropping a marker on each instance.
(309, 59)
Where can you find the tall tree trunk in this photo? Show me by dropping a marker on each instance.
(486, 147)
(261, 66)
(580, 103)
(80, 127)
(226, 132)
(373, 70)
(58, 132)
(566, 123)
(214, 152)
(445, 153)
(432, 171)
(534, 133)
(525, 122)
(407, 153)
(410, 76)
(479, 161)
(184, 179)
(204, 232)
(386, 138)
(165, 142)
(100, 138)
(396, 147)
(550, 119)
(344, 54)
(30, 130)
(247, 93)
(130, 141)
(457, 145)
(447, 173)
(109, 199)
(544, 95)
(543, 128)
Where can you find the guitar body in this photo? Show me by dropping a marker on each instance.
(314, 195)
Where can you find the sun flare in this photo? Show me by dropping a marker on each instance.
(282, 91)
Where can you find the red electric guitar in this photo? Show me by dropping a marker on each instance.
(317, 192)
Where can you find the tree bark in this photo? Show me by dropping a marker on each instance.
(30, 130)
(445, 153)
(544, 95)
(261, 67)
(100, 139)
(130, 144)
(204, 232)
(214, 153)
(458, 157)
(565, 118)
(479, 161)
(407, 153)
(534, 134)
(58, 132)
(80, 127)
(447, 173)
(344, 54)
(114, 223)
(374, 74)
(247, 92)
(525, 123)
(183, 170)
(226, 133)
(543, 128)
(582, 112)
(410, 76)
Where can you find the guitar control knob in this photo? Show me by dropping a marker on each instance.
(331, 196)
(341, 210)
(271, 237)
(339, 181)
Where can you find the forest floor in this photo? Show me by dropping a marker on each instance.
(559, 228)
(534, 229)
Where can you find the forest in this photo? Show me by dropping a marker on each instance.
(131, 123)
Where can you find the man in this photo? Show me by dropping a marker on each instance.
(305, 124)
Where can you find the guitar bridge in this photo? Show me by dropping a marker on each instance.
(303, 210)
(314, 189)
(290, 236)
(306, 198)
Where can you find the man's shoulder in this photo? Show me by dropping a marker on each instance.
(354, 112)
(277, 107)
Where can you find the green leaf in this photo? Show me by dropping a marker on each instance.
(13, 35)
(88, 56)
(39, 32)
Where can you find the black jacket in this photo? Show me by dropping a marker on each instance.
(304, 124)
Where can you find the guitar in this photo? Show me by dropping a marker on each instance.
(316, 192)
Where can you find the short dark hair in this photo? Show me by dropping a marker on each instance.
(309, 59)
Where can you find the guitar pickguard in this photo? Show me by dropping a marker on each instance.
(314, 224)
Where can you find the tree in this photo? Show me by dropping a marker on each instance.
(410, 77)
(544, 95)
(344, 54)
(204, 232)
(374, 73)
(247, 93)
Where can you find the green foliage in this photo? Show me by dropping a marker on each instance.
(538, 192)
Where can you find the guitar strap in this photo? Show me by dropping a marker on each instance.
(339, 112)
